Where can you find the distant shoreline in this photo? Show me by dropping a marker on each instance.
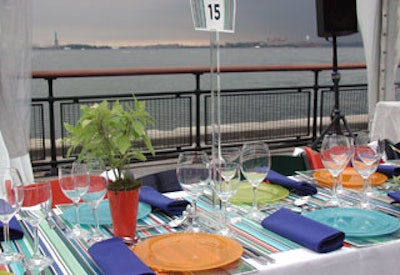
(177, 46)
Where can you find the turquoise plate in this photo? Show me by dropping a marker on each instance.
(86, 213)
(356, 222)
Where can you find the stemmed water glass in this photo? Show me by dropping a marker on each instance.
(231, 154)
(365, 161)
(74, 183)
(225, 186)
(193, 173)
(255, 162)
(11, 197)
(94, 195)
(335, 155)
(35, 208)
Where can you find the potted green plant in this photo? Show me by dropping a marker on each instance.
(111, 134)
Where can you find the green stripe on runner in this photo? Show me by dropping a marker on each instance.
(65, 253)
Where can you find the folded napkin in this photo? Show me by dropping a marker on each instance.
(395, 196)
(170, 206)
(114, 257)
(389, 170)
(301, 188)
(302, 230)
(16, 232)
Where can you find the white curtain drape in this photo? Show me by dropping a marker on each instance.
(379, 22)
(15, 88)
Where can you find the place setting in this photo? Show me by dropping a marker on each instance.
(194, 248)
(363, 218)
(189, 248)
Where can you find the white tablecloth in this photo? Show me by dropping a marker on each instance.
(386, 122)
(380, 259)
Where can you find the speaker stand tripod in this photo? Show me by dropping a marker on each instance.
(336, 115)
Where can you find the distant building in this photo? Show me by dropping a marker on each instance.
(55, 40)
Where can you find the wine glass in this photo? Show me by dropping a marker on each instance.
(335, 155)
(193, 173)
(11, 197)
(225, 186)
(74, 183)
(94, 195)
(35, 208)
(365, 161)
(255, 162)
(231, 154)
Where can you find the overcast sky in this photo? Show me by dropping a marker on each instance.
(128, 22)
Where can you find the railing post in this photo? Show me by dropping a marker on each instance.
(53, 147)
(315, 107)
(198, 106)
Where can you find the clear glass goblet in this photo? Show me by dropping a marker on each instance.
(225, 186)
(255, 162)
(335, 155)
(95, 194)
(74, 183)
(365, 161)
(231, 154)
(193, 173)
(35, 208)
(11, 197)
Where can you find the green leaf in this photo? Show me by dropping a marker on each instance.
(124, 144)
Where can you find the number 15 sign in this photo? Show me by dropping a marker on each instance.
(214, 15)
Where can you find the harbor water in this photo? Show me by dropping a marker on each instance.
(184, 57)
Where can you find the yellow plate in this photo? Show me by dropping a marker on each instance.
(186, 252)
(350, 178)
(266, 192)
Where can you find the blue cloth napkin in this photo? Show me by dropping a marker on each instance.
(16, 232)
(389, 170)
(115, 258)
(301, 188)
(170, 206)
(304, 231)
(395, 196)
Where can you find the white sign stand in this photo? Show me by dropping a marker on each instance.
(214, 16)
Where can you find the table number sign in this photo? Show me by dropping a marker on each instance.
(214, 15)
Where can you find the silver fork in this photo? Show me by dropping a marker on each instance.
(256, 257)
(260, 257)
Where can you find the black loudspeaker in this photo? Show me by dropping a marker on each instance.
(336, 17)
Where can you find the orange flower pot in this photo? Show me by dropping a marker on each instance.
(124, 209)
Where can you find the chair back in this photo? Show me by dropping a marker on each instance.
(57, 194)
(313, 158)
(165, 181)
(288, 165)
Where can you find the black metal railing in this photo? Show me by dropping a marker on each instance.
(282, 116)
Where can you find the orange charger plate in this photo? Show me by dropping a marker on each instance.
(350, 178)
(188, 252)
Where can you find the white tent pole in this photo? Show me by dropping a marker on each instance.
(15, 79)
(383, 50)
(380, 25)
